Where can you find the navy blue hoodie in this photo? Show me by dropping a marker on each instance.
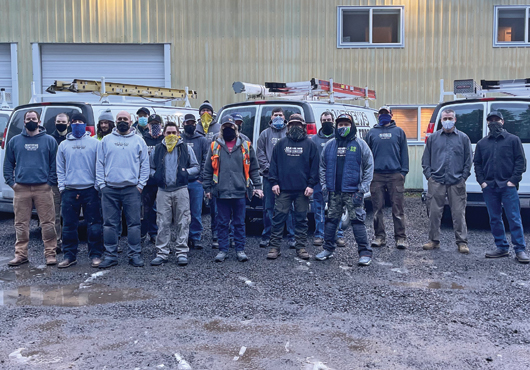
(390, 149)
(200, 146)
(30, 160)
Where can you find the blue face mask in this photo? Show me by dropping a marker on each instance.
(384, 119)
(343, 131)
(278, 123)
(78, 129)
(142, 121)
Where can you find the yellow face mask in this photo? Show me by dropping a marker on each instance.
(206, 119)
(171, 141)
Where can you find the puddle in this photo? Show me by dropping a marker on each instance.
(68, 295)
(219, 327)
(23, 273)
(430, 285)
(4, 260)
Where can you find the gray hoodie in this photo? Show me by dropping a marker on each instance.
(122, 161)
(266, 141)
(76, 162)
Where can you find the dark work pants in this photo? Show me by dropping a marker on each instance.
(394, 184)
(149, 211)
(282, 206)
(231, 215)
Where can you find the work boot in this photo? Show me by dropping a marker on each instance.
(463, 248)
(522, 257)
(241, 256)
(182, 260)
(324, 255)
(66, 263)
(17, 261)
(340, 242)
(264, 243)
(379, 242)
(431, 244)
(318, 242)
(402, 243)
(302, 253)
(107, 262)
(221, 256)
(497, 253)
(136, 261)
(273, 254)
(50, 261)
(157, 261)
(96, 261)
(365, 261)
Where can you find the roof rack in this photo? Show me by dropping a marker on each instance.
(104, 89)
(306, 90)
(470, 90)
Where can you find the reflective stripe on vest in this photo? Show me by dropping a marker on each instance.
(216, 150)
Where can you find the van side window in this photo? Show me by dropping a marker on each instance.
(249, 116)
(17, 122)
(3, 122)
(516, 118)
(469, 119)
(266, 114)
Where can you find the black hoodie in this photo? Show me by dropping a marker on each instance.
(200, 146)
(390, 149)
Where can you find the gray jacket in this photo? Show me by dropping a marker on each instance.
(266, 141)
(76, 162)
(122, 160)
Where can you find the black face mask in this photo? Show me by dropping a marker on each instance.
(61, 127)
(327, 128)
(296, 133)
(190, 129)
(495, 128)
(123, 126)
(229, 133)
(31, 126)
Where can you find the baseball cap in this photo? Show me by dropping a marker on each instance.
(143, 110)
(227, 119)
(237, 117)
(344, 117)
(385, 107)
(189, 117)
(154, 118)
(495, 113)
(297, 118)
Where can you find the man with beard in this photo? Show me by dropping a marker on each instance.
(105, 124)
(293, 174)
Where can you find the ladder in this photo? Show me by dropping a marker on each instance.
(104, 89)
(3, 99)
(469, 89)
(313, 89)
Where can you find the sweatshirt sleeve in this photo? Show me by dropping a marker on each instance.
(519, 162)
(323, 166)
(208, 173)
(52, 172)
(264, 164)
(367, 167)
(254, 169)
(273, 169)
(61, 167)
(9, 165)
(314, 166)
(204, 152)
(144, 165)
(100, 165)
(404, 154)
(194, 167)
(477, 161)
(468, 160)
(426, 159)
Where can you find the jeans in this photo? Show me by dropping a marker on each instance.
(172, 205)
(507, 198)
(394, 184)
(71, 204)
(112, 202)
(231, 210)
(319, 212)
(213, 216)
(196, 193)
(282, 207)
(57, 204)
(149, 211)
(268, 209)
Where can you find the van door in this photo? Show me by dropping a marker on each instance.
(517, 121)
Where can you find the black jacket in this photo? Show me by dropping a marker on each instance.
(390, 149)
(294, 164)
(159, 177)
(58, 137)
(200, 146)
(499, 160)
(151, 143)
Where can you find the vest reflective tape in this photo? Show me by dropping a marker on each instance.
(216, 150)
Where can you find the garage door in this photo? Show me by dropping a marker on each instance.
(6, 80)
(126, 63)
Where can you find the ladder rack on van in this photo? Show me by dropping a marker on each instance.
(470, 90)
(306, 90)
(3, 99)
(104, 89)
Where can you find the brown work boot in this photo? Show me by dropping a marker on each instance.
(402, 243)
(17, 261)
(340, 242)
(50, 261)
(431, 244)
(65, 263)
(379, 242)
(96, 261)
(273, 254)
(302, 253)
(318, 242)
(463, 248)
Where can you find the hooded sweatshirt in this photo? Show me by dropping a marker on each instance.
(122, 161)
(60, 138)
(389, 147)
(151, 143)
(30, 160)
(266, 142)
(76, 162)
(212, 130)
(200, 146)
(320, 139)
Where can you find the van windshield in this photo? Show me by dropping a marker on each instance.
(266, 113)
(249, 116)
(516, 118)
(469, 119)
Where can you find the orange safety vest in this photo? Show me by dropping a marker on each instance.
(245, 149)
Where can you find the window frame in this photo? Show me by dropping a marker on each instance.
(371, 45)
(510, 44)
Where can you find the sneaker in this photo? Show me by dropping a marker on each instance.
(497, 253)
(291, 243)
(379, 242)
(302, 253)
(157, 261)
(241, 256)
(96, 261)
(463, 248)
(221, 256)
(17, 261)
(50, 261)
(340, 242)
(318, 242)
(324, 255)
(107, 262)
(273, 254)
(182, 260)
(431, 244)
(365, 261)
(522, 257)
(66, 263)
(264, 243)
(402, 243)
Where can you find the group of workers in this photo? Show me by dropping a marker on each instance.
(149, 176)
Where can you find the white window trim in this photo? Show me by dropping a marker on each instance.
(509, 44)
(363, 45)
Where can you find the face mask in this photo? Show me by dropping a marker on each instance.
(156, 130)
(31, 126)
(278, 123)
(327, 128)
(206, 120)
(344, 131)
(61, 127)
(448, 124)
(495, 128)
(78, 129)
(296, 133)
(190, 129)
(122, 126)
(142, 121)
(229, 133)
(384, 119)
(171, 142)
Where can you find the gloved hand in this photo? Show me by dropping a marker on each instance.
(357, 199)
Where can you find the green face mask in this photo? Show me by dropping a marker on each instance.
(344, 131)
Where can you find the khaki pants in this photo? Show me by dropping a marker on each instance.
(456, 194)
(42, 197)
(172, 205)
(394, 184)
(57, 204)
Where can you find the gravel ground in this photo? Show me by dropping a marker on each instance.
(410, 310)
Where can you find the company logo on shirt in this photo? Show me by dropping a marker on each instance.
(294, 151)
(190, 145)
(385, 136)
(341, 151)
(323, 144)
(122, 144)
(274, 140)
(150, 149)
(79, 146)
(31, 147)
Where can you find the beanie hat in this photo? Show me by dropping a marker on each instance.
(106, 116)
(78, 117)
(206, 105)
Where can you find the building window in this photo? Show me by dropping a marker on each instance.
(370, 27)
(512, 26)
(413, 120)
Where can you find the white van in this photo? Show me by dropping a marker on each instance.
(48, 111)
